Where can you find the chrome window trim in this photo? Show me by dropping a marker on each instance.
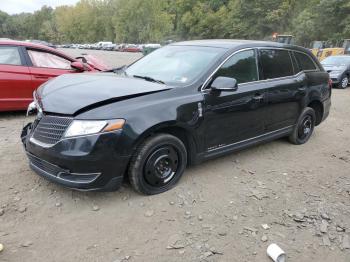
(204, 85)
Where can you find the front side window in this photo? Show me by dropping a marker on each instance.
(305, 62)
(9, 55)
(48, 60)
(176, 65)
(241, 66)
(276, 63)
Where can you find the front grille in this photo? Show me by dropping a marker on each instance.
(44, 165)
(50, 129)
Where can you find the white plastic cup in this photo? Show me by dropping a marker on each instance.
(276, 253)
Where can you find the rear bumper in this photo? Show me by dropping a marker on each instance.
(84, 163)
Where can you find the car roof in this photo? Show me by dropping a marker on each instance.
(34, 45)
(238, 43)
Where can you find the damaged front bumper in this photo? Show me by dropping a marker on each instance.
(84, 163)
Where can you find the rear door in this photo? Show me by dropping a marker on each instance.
(285, 88)
(45, 65)
(15, 80)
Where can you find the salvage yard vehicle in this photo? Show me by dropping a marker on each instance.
(338, 68)
(149, 48)
(24, 66)
(284, 39)
(340, 48)
(131, 48)
(179, 105)
(317, 47)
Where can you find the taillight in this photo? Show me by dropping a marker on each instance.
(330, 83)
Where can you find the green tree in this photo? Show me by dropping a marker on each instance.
(139, 21)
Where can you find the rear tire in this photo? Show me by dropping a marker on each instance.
(304, 127)
(157, 164)
(344, 82)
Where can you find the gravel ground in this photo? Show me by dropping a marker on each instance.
(228, 209)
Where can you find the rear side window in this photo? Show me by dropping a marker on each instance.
(241, 66)
(275, 63)
(304, 62)
(9, 55)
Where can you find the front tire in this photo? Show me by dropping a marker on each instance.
(157, 164)
(304, 127)
(344, 82)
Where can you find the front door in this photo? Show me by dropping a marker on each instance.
(231, 117)
(15, 80)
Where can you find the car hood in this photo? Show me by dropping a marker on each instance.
(96, 63)
(72, 94)
(330, 68)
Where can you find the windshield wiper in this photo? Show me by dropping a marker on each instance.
(150, 79)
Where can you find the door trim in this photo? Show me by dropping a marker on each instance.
(210, 153)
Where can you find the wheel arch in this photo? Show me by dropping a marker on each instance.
(317, 106)
(171, 128)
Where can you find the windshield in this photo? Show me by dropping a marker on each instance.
(336, 60)
(176, 65)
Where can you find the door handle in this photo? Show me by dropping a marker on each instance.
(258, 97)
(41, 77)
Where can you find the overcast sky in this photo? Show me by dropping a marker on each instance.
(19, 6)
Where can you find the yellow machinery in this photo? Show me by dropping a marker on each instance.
(317, 47)
(325, 52)
(284, 39)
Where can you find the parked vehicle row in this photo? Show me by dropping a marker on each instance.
(180, 105)
(109, 46)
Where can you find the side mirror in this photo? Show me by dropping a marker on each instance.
(78, 66)
(82, 58)
(224, 84)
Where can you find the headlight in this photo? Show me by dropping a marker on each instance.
(32, 109)
(88, 127)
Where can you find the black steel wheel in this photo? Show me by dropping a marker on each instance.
(304, 127)
(158, 164)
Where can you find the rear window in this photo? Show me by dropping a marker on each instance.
(275, 63)
(9, 55)
(304, 62)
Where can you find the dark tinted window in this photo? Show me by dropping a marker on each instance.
(241, 66)
(276, 63)
(9, 55)
(304, 61)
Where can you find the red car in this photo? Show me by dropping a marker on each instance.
(25, 66)
(132, 48)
